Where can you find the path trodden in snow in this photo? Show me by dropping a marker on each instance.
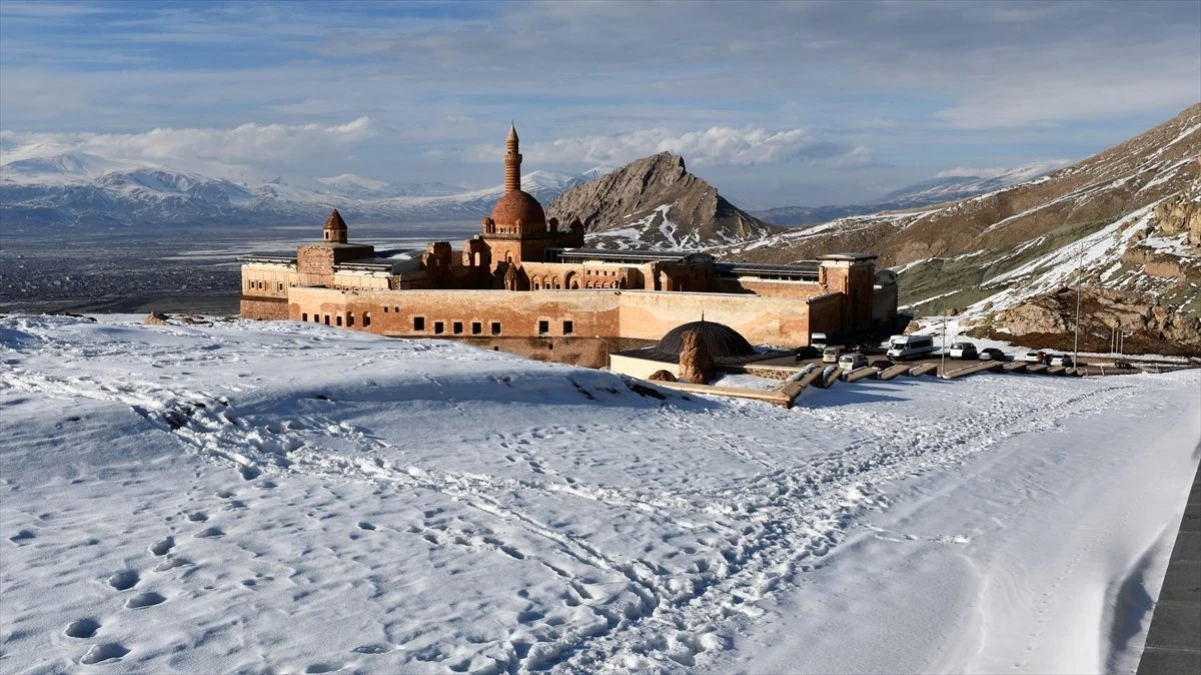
(293, 498)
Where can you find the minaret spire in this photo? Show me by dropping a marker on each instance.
(512, 161)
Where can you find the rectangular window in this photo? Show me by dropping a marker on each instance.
(496, 328)
(419, 324)
(543, 327)
(327, 319)
(477, 328)
(350, 319)
(568, 327)
(339, 318)
(458, 327)
(366, 319)
(304, 317)
(439, 328)
(281, 287)
(385, 309)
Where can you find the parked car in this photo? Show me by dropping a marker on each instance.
(992, 354)
(1033, 357)
(852, 361)
(881, 364)
(831, 354)
(818, 340)
(963, 350)
(1062, 360)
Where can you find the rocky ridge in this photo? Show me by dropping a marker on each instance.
(1123, 221)
(655, 203)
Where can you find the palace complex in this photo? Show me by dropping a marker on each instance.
(527, 284)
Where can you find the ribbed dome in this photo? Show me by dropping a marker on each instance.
(515, 205)
(721, 340)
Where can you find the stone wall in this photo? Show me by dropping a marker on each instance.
(825, 314)
(267, 309)
(551, 314)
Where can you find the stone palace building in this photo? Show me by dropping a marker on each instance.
(528, 285)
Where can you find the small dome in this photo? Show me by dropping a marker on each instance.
(721, 340)
(518, 205)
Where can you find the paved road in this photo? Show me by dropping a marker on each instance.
(1174, 641)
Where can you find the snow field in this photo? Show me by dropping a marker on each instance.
(292, 498)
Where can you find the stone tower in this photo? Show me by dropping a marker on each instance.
(335, 228)
(512, 162)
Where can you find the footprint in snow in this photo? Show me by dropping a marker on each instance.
(83, 628)
(124, 580)
(209, 533)
(162, 547)
(104, 652)
(171, 563)
(145, 600)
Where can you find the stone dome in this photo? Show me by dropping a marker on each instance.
(518, 205)
(721, 340)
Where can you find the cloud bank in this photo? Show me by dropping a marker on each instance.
(247, 143)
(715, 146)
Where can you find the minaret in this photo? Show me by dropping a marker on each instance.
(512, 162)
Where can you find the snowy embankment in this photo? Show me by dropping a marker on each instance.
(293, 498)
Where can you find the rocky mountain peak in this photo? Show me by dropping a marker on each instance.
(655, 202)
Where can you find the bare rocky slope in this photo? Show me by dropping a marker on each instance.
(1124, 223)
(654, 202)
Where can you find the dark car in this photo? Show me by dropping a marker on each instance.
(992, 354)
(881, 364)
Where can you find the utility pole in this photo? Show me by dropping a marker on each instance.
(943, 371)
(1079, 278)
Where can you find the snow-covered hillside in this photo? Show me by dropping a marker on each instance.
(293, 498)
(72, 189)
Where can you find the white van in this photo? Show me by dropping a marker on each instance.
(852, 361)
(818, 340)
(901, 347)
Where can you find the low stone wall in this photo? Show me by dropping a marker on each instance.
(269, 309)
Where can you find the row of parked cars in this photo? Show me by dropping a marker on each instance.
(967, 350)
(905, 347)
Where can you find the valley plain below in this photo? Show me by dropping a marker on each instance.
(185, 269)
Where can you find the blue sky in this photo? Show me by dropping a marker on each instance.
(775, 103)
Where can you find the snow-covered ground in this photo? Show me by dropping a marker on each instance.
(285, 497)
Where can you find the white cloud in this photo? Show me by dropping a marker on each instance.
(252, 143)
(1035, 167)
(714, 146)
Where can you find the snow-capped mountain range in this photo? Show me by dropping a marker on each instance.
(74, 189)
(947, 186)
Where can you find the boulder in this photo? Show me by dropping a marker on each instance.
(155, 319)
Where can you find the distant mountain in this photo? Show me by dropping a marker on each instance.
(958, 184)
(654, 202)
(80, 190)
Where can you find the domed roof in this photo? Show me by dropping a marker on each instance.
(721, 340)
(518, 204)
